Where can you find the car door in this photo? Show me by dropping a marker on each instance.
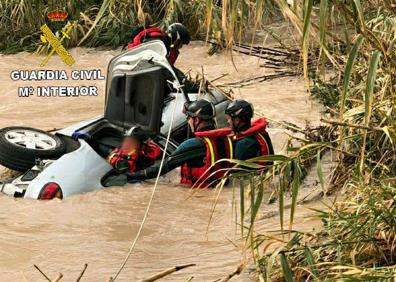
(136, 86)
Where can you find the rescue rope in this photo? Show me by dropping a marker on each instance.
(152, 192)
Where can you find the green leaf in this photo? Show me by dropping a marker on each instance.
(372, 74)
(102, 10)
(242, 202)
(257, 203)
(287, 273)
(296, 182)
(294, 241)
(252, 197)
(272, 158)
(307, 23)
(322, 21)
(359, 11)
(368, 102)
(252, 163)
(319, 170)
(348, 71)
(281, 202)
(272, 259)
(311, 261)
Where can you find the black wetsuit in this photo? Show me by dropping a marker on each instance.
(192, 151)
(249, 147)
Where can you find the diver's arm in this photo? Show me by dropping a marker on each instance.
(188, 150)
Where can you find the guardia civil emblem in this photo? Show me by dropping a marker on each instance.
(56, 43)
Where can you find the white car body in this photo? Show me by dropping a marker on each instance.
(81, 170)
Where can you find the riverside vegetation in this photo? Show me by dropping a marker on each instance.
(355, 41)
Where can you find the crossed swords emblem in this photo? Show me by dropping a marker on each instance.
(56, 44)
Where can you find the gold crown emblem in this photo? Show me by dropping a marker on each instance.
(57, 16)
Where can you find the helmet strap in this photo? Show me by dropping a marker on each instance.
(202, 125)
(242, 124)
(196, 124)
(237, 126)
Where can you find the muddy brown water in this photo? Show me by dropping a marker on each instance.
(97, 228)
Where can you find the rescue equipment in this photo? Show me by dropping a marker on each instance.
(258, 130)
(211, 173)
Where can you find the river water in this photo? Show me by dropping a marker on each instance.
(97, 228)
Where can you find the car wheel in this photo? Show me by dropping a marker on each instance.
(21, 146)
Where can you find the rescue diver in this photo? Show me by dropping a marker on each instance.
(174, 38)
(250, 137)
(197, 155)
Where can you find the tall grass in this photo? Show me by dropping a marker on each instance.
(110, 22)
(362, 132)
(357, 242)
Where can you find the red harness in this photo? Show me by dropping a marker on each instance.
(150, 150)
(258, 130)
(153, 33)
(172, 57)
(118, 155)
(210, 174)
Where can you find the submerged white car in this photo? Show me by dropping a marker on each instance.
(142, 89)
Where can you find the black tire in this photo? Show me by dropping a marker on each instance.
(19, 157)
